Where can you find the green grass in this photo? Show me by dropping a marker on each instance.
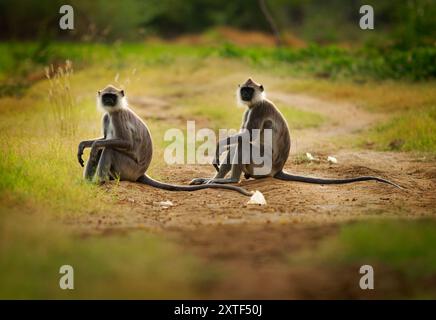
(37, 160)
(19, 57)
(298, 119)
(335, 62)
(411, 131)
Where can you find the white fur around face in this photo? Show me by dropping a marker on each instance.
(121, 104)
(258, 97)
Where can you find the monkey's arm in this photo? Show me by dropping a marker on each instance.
(83, 145)
(223, 144)
(89, 143)
(112, 143)
(251, 132)
(97, 144)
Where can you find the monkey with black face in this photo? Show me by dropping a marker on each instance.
(125, 150)
(260, 116)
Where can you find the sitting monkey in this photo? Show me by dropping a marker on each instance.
(260, 115)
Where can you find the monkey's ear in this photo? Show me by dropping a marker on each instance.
(261, 88)
(122, 93)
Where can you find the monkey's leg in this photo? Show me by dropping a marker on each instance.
(223, 169)
(226, 166)
(235, 176)
(234, 166)
(240, 161)
(116, 165)
(103, 171)
(91, 166)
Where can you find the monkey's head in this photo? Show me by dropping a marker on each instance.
(111, 99)
(250, 92)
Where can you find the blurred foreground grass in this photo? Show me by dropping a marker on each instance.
(134, 265)
(401, 253)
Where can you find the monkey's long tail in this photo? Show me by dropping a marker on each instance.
(172, 187)
(289, 177)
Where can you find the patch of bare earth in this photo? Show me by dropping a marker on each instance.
(251, 245)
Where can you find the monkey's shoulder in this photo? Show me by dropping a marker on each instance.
(264, 109)
(128, 115)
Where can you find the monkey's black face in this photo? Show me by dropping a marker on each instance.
(109, 99)
(247, 93)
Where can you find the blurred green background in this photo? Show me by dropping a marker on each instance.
(403, 23)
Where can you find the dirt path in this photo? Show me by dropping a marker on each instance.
(251, 243)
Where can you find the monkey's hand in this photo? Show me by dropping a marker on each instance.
(80, 153)
(220, 149)
(198, 181)
(216, 159)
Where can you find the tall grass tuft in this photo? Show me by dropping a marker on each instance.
(61, 98)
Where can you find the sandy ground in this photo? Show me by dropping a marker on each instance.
(252, 244)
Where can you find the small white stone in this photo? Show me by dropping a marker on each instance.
(332, 159)
(257, 198)
(309, 156)
(166, 204)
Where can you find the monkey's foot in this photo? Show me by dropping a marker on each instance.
(198, 181)
(222, 180)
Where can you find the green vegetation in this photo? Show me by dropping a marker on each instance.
(37, 157)
(404, 24)
(298, 119)
(413, 130)
(331, 61)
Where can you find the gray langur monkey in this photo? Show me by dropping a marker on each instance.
(262, 114)
(125, 150)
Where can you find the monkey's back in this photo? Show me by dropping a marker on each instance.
(281, 141)
(139, 134)
(281, 138)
